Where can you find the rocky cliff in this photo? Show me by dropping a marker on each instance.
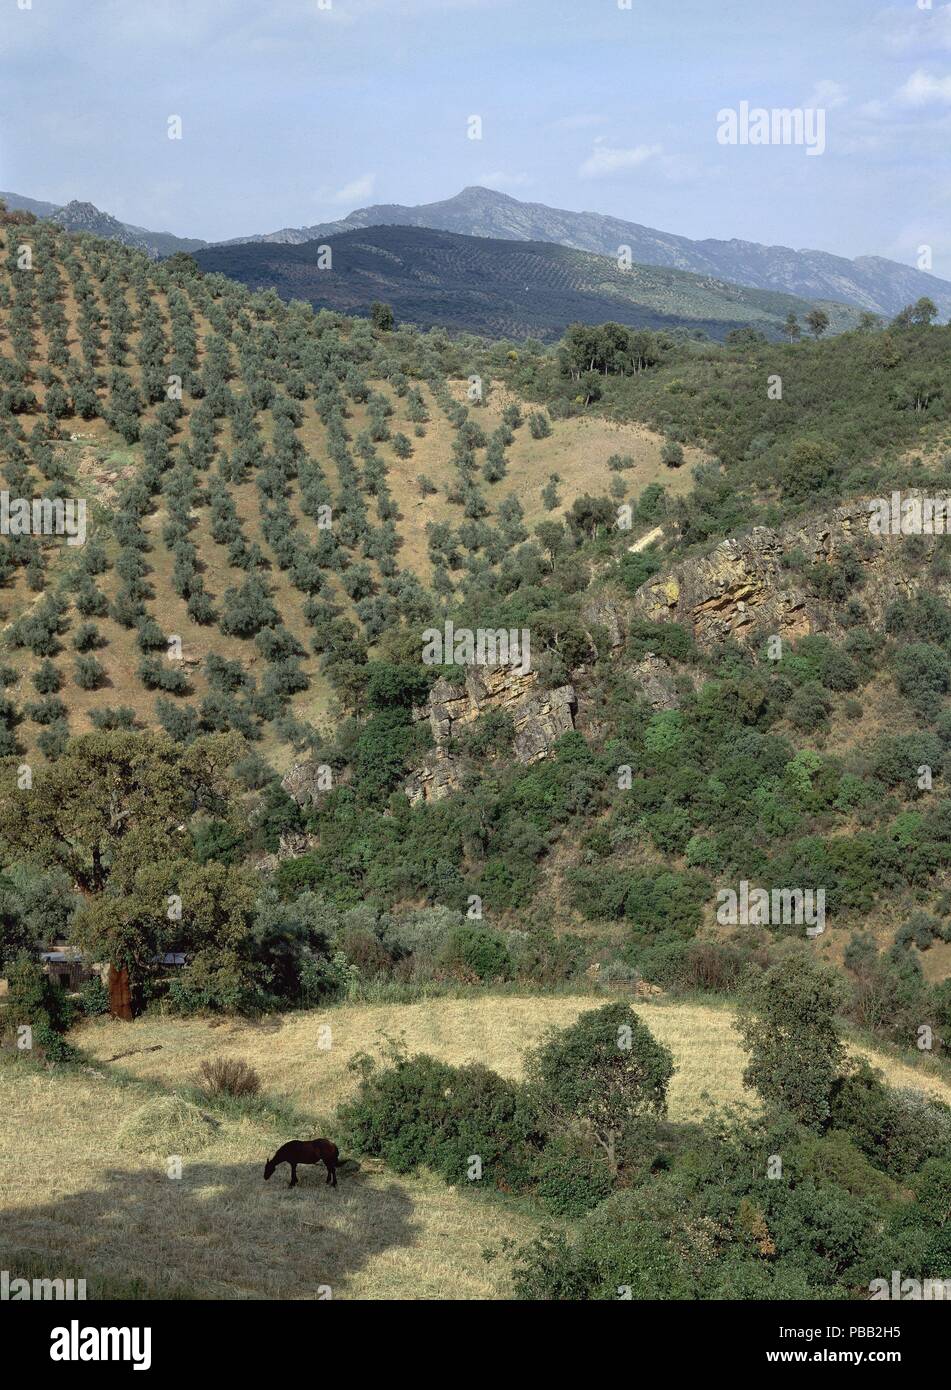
(539, 717)
(746, 587)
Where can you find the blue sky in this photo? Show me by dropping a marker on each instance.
(294, 113)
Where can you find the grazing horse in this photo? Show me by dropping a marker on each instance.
(305, 1151)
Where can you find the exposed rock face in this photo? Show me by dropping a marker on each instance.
(306, 782)
(742, 587)
(540, 720)
(539, 716)
(438, 776)
(655, 678)
(607, 614)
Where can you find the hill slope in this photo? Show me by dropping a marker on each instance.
(228, 1235)
(77, 216)
(874, 283)
(500, 288)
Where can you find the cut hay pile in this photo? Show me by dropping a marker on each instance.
(166, 1125)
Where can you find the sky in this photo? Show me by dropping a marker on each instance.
(294, 112)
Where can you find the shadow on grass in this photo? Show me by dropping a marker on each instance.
(219, 1232)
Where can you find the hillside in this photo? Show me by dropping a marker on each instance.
(88, 1199)
(114, 327)
(80, 216)
(268, 822)
(503, 289)
(872, 282)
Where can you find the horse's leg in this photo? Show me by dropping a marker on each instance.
(293, 1181)
(331, 1173)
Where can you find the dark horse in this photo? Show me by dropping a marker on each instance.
(305, 1151)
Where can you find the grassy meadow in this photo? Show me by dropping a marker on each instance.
(84, 1153)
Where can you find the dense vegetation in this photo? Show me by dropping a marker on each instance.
(249, 597)
(838, 1179)
(502, 288)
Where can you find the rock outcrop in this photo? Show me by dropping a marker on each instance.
(539, 718)
(655, 678)
(744, 588)
(306, 782)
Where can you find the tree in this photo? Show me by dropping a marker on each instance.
(791, 327)
(604, 1074)
(921, 314)
(812, 466)
(818, 322)
(787, 1023)
(590, 515)
(113, 814)
(381, 316)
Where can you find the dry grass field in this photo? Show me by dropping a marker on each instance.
(84, 1189)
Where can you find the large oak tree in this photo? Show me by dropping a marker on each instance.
(114, 813)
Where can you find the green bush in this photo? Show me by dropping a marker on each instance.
(399, 1113)
(477, 951)
(787, 1023)
(570, 1177)
(490, 1118)
(620, 1252)
(602, 1076)
(93, 998)
(34, 998)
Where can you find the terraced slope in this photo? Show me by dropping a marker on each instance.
(502, 288)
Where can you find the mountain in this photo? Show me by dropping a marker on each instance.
(498, 288)
(872, 282)
(77, 216)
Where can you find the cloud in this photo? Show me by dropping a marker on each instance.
(922, 89)
(352, 192)
(607, 159)
(826, 96)
(915, 30)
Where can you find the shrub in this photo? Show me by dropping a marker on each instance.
(93, 998)
(477, 951)
(619, 1248)
(227, 1076)
(90, 672)
(490, 1118)
(34, 998)
(398, 1112)
(604, 1074)
(787, 1023)
(898, 1130)
(571, 1177)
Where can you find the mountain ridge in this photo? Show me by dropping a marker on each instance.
(872, 282)
(79, 215)
(501, 288)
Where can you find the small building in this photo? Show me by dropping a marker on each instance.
(66, 967)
